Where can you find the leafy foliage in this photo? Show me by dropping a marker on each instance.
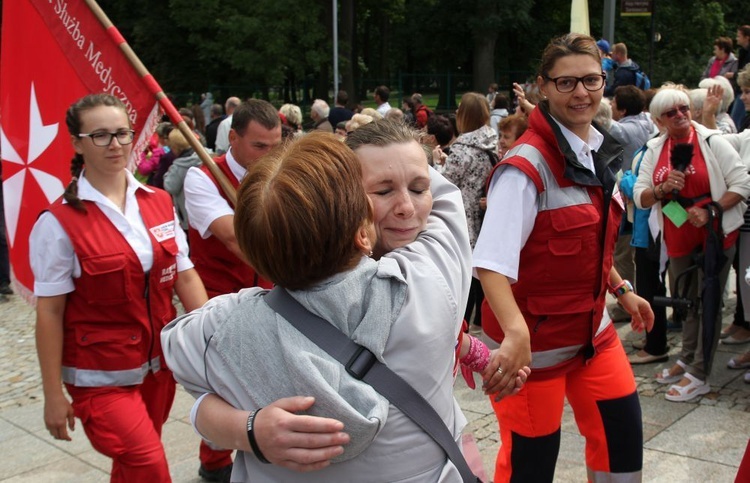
(245, 48)
(685, 46)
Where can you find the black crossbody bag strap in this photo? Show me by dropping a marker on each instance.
(361, 364)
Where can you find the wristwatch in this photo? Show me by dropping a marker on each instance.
(621, 289)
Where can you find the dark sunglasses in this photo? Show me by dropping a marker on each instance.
(673, 112)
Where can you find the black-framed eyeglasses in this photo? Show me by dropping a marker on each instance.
(673, 112)
(104, 138)
(566, 83)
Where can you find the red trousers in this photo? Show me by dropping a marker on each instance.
(213, 459)
(125, 424)
(743, 473)
(605, 403)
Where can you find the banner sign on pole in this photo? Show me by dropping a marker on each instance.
(54, 52)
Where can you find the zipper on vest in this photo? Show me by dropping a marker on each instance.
(147, 296)
(539, 321)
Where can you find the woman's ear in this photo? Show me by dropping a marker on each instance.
(364, 239)
(540, 85)
(76, 141)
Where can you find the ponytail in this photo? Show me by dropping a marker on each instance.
(71, 192)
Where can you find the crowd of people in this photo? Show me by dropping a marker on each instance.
(485, 242)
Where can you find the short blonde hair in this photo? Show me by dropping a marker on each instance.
(743, 78)
(697, 98)
(292, 113)
(395, 114)
(357, 121)
(620, 49)
(727, 95)
(321, 107)
(373, 113)
(177, 142)
(667, 97)
(603, 115)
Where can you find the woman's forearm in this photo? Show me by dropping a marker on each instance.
(500, 297)
(190, 289)
(49, 342)
(729, 199)
(222, 424)
(651, 196)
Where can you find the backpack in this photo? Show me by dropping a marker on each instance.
(642, 81)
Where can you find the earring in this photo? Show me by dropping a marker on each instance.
(370, 254)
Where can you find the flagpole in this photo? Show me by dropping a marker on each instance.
(164, 101)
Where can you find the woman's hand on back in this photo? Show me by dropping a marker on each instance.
(298, 442)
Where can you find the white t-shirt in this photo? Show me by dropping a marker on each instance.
(222, 135)
(53, 260)
(383, 108)
(203, 201)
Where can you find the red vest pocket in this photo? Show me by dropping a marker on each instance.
(106, 280)
(558, 320)
(574, 217)
(565, 246)
(105, 347)
(559, 303)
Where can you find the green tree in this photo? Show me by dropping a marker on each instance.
(491, 21)
(431, 46)
(685, 46)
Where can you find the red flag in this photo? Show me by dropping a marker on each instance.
(52, 53)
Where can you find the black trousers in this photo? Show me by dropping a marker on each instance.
(648, 284)
(739, 312)
(474, 303)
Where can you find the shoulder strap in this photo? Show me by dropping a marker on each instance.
(362, 364)
(493, 157)
(639, 154)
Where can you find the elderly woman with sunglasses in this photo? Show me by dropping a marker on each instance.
(714, 173)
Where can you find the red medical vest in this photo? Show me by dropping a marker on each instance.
(564, 265)
(221, 271)
(114, 316)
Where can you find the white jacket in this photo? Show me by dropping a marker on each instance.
(726, 172)
(741, 143)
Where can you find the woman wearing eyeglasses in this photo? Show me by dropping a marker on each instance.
(714, 172)
(106, 258)
(544, 257)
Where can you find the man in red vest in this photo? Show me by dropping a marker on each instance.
(255, 130)
(421, 112)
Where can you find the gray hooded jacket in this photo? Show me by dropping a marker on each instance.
(406, 308)
(632, 132)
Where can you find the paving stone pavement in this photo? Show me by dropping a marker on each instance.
(683, 442)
